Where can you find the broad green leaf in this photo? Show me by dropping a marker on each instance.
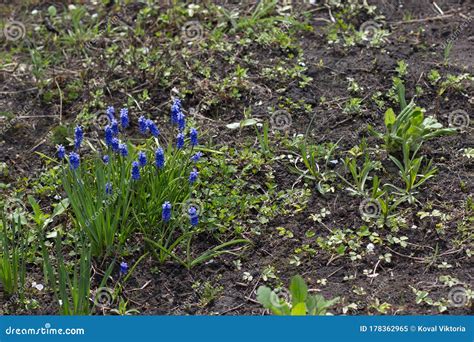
(263, 296)
(61, 207)
(311, 305)
(52, 11)
(299, 309)
(243, 123)
(52, 234)
(390, 117)
(298, 290)
(431, 123)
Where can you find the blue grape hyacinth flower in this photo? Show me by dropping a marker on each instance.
(159, 158)
(142, 159)
(109, 135)
(180, 141)
(124, 121)
(123, 150)
(123, 268)
(106, 159)
(108, 188)
(115, 127)
(181, 121)
(74, 160)
(115, 144)
(193, 216)
(61, 152)
(195, 158)
(193, 135)
(135, 171)
(152, 127)
(166, 212)
(177, 103)
(142, 124)
(175, 110)
(193, 176)
(78, 137)
(110, 111)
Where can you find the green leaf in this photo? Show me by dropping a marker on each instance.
(311, 305)
(61, 207)
(263, 296)
(52, 235)
(390, 117)
(298, 290)
(299, 309)
(52, 11)
(243, 123)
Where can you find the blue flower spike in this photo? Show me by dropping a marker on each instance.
(115, 127)
(175, 110)
(180, 141)
(135, 171)
(109, 135)
(78, 137)
(193, 216)
(193, 176)
(123, 268)
(152, 127)
(195, 158)
(159, 158)
(124, 120)
(61, 152)
(142, 124)
(115, 144)
(74, 160)
(110, 111)
(142, 159)
(123, 150)
(166, 212)
(193, 136)
(181, 121)
(108, 188)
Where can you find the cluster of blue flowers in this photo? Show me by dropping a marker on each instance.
(145, 125)
(193, 216)
(74, 160)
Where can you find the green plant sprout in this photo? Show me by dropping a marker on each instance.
(301, 303)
